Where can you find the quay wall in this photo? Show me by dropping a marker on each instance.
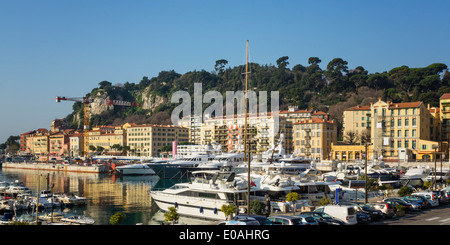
(57, 167)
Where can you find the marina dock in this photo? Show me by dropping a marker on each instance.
(97, 168)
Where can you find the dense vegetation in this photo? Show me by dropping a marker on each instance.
(308, 86)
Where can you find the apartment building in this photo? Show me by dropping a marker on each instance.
(261, 131)
(41, 142)
(293, 114)
(76, 145)
(148, 139)
(313, 138)
(444, 105)
(103, 138)
(404, 131)
(357, 120)
(60, 143)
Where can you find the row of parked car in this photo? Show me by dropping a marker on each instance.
(351, 213)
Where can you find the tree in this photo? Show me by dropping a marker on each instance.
(117, 218)
(351, 137)
(292, 197)
(172, 215)
(220, 65)
(282, 62)
(104, 84)
(314, 61)
(228, 210)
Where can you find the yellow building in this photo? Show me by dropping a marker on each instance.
(148, 139)
(104, 137)
(313, 138)
(347, 152)
(357, 120)
(40, 142)
(404, 131)
(444, 106)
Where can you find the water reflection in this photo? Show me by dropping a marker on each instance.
(106, 194)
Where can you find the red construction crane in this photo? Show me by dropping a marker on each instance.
(86, 101)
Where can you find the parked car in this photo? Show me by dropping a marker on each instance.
(409, 207)
(361, 207)
(430, 196)
(441, 196)
(261, 219)
(285, 220)
(343, 213)
(446, 192)
(307, 220)
(362, 217)
(240, 222)
(387, 209)
(323, 218)
(422, 201)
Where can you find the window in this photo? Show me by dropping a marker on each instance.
(414, 144)
(414, 133)
(399, 122)
(424, 147)
(399, 133)
(399, 144)
(406, 133)
(414, 122)
(407, 122)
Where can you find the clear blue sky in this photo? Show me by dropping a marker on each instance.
(50, 48)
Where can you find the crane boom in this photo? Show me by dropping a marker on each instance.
(86, 101)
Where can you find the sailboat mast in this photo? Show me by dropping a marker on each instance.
(245, 106)
(245, 136)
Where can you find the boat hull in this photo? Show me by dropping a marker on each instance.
(192, 207)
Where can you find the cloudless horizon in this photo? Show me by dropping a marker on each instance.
(55, 48)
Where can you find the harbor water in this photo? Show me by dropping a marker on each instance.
(106, 194)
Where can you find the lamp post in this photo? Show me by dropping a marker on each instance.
(435, 147)
(366, 145)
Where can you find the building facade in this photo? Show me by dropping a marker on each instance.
(313, 138)
(262, 132)
(148, 140)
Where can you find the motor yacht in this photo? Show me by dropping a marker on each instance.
(205, 195)
(135, 169)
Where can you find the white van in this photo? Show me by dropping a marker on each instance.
(345, 213)
(430, 196)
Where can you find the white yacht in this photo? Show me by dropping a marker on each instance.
(416, 173)
(77, 219)
(224, 160)
(135, 169)
(205, 195)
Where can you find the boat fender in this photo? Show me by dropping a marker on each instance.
(201, 209)
(215, 210)
(176, 205)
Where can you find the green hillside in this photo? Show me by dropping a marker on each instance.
(307, 86)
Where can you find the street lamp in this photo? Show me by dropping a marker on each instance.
(435, 147)
(366, 145)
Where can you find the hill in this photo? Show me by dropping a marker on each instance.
(307, 86)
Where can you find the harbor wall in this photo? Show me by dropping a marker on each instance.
(57, 167)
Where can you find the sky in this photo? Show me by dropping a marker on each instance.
(52, 48)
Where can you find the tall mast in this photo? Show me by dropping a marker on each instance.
(245, 136)
(245, 106)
